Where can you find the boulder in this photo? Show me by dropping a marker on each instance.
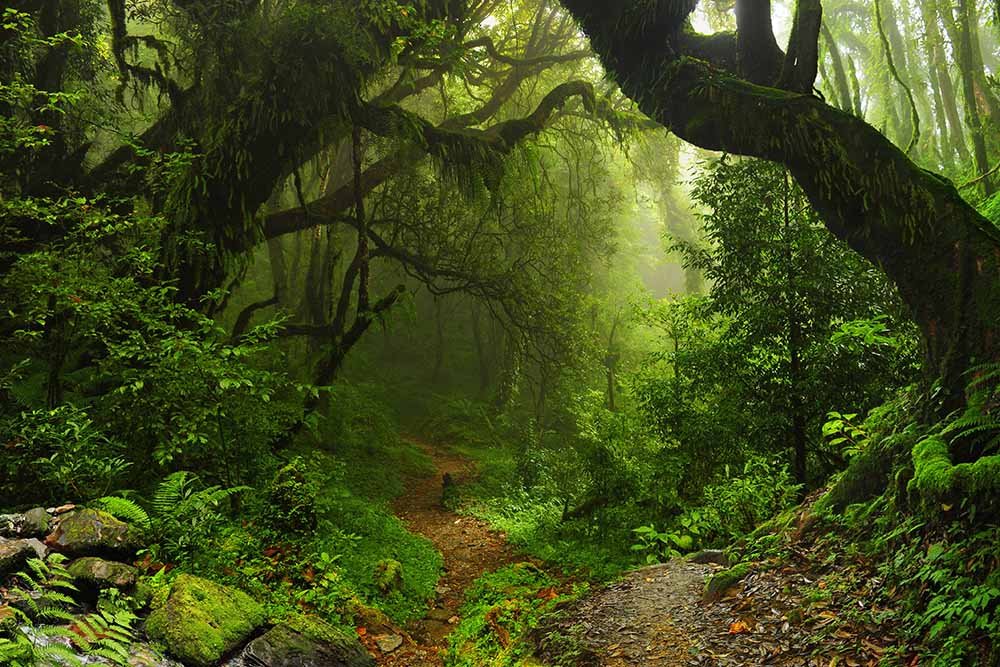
(13, 555)
(90, 532)
(720, 583)
(41, 550)
(304, 642)
(36, 522)
(33, 523)
(200, 621)
(710, 557)
(93, 572)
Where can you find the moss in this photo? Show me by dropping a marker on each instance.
(91, 531)
(200, 621)
(868, 475)
(389, 575)
(718, 584)
(100, 573)
(936, 479)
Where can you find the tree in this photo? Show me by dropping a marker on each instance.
(738, 92)
(810, 324)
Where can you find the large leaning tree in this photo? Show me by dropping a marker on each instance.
(739, 92)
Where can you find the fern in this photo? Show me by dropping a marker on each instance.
(980, 421)
(41, 598)
(104, 634)
(185, 513)
(125, 509)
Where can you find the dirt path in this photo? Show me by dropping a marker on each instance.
(655, 617)
(470, 549)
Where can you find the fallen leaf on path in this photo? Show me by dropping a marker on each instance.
(739, 628)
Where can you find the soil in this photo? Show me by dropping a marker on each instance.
(470, 549)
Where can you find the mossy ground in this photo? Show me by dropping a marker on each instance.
(200, 621)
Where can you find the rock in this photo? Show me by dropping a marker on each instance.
(201, 621)
(144, 655)
(305, 642)
(36, 522)
(62, 509)
(41, 550)
(718, 584)
(440, 615)
(13, 555)
(710, 557)
(10, 524)
(90, 532)
(98, 573)
(33, 523)
(389, 643)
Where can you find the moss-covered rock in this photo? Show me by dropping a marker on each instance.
(200, 621)
(90, 532)
(937, 479)
(94, 572)
(720, 583)
(13, 555)
(36, 522)
(306, 641)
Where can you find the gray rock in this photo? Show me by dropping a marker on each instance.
(99, 573)
(90, 532)
(281, 646)
(13, 555)
(41, 550)
(710, 557)
(389, 643)
(36, 522)
(144, 655)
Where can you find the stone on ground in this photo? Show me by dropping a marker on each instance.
(304, 642)
(90, 532)
(13, 555)
(201, 621)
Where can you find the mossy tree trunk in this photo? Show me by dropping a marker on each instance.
(943, 256)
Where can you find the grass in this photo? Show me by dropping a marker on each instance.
(502, 609)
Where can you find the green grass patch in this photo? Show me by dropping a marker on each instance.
(502, 609)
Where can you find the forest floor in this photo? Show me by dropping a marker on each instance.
(470, 549)
(783, 613)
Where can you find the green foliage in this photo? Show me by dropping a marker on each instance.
(125, 509)
(64, 451)
(291, 498)
(501, 610)
(41, 603)
(186, 514)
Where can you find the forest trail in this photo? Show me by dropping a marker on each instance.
(470, 549)
(656, 617)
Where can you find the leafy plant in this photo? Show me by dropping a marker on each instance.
(660, 547)
(124, 508)
(186, 513)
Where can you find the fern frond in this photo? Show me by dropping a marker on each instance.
(171, 491)
(125, 509)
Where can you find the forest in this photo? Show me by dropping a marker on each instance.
(499, 333)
